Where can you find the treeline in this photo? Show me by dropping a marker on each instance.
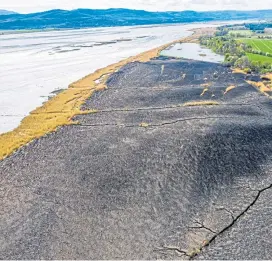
(225, 31)
(260, 52)
(264, 36)
(235, 52)
(258, 27)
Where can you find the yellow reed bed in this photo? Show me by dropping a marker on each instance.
(200, 103)
(261, 87)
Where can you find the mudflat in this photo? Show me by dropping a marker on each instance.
(175, 163)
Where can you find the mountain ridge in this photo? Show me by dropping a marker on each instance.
(6, 12)
(83, 18)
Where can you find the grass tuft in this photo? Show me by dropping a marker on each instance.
(144, 124)
(228, 89)
(200, 103)
(237, 70)
(261, 87)
(204, 91)
(206, 85)
(267, 76)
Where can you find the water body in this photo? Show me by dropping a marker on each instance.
(192, 51)
(35, 64)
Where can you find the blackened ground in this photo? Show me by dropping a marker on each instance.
(108, 188)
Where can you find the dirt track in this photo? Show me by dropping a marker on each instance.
(147, 177)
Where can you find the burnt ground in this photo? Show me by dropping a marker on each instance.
(110, 189)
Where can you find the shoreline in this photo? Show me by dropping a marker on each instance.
(29, 90)
(41, 30)
(60, 110)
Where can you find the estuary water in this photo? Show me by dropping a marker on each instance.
(192, 51)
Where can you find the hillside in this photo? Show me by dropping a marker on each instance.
(82, 18)
(6, 12)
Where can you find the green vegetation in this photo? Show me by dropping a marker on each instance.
(261, 46)
(240, 33)
(258, 27)
(249, 54)
(259, 58)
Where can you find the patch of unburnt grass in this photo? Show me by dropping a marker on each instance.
(237, 70)
(201, 103)
(228, 89)
(262, 87)
(267, 76)
(144, 124)
(206, 85)
(204, 91)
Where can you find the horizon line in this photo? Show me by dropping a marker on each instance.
(121, 8)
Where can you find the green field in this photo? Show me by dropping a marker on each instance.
(262, 45)
(259, 58)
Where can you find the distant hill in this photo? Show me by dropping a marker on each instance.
(82, 18)
(6, 12)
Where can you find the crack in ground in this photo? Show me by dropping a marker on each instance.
(164, 107)
(176, 249)
(193, 118)
(228, 211)
(156, 124)
(133, 109)
(201, 225)
(207, 243)
(142, 109)
(233, 222)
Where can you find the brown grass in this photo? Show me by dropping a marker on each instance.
(206, 85)
(144, 124)
(228, 89)
(201, 103)
(261, 87)
(267, 76)
(237, 70)
(204, 91)
(60, 110)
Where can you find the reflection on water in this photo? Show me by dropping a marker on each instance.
(192, 51)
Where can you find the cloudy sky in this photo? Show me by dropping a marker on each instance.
(27, 6)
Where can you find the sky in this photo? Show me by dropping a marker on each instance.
(28, 6)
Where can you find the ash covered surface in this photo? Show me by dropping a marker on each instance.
(147, 176)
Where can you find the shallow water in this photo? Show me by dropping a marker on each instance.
(192, 51)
